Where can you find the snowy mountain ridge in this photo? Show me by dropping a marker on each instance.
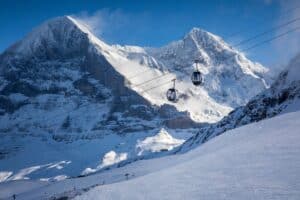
(230, 79)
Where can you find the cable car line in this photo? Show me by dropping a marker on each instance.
(266, 32)
(287, 11)
(271, 39)
(137, 74)
(162, 84)
(157, 77)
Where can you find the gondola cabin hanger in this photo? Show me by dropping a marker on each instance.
(197, 78)
(172, 93)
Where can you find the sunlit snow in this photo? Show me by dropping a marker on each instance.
(163, 141)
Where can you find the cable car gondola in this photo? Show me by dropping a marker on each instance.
(172, 93)
(196, 75)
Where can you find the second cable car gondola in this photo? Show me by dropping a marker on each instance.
(172, 93)
(196, 77)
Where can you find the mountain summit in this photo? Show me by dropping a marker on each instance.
(60, 35)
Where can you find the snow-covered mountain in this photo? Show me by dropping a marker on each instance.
(64, 93)
(230, 79)
(283, 96)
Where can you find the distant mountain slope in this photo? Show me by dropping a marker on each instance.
(283, 96)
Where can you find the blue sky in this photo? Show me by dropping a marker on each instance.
(156, 23)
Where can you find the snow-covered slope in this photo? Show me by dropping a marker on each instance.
(263, 163)
(283, 96)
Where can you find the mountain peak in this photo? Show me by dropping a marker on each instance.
(65, 34)
(59, 19)
(197, 30)
(63, 23)
(198, 33)
(58, 35)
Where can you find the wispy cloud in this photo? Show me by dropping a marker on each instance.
(268, 2)
(117, 26)
(104, 21)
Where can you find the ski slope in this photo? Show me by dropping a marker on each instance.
(257, 161)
